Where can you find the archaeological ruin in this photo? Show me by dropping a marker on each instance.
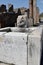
(34, 11)
(8, 17)
(21, 43)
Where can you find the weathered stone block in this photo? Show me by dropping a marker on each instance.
(30, 22)
(34, 47)
(21, 48)
(22, 21)
(13, 48)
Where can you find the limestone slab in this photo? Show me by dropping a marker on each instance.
(13, 48)
(34, 47)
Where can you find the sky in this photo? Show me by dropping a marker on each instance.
(22, 3)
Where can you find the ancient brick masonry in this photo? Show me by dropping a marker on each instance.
(31, 8)
(34, 11)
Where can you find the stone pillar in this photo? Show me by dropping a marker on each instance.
(30, 12)
(31, 8)
(37, 15)
(34, 11)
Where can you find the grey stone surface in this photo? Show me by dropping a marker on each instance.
(21, 48)
(7, 29)
(30, 21)
(13, 48)
(22, 21)
(34, 48)
(3, 64)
